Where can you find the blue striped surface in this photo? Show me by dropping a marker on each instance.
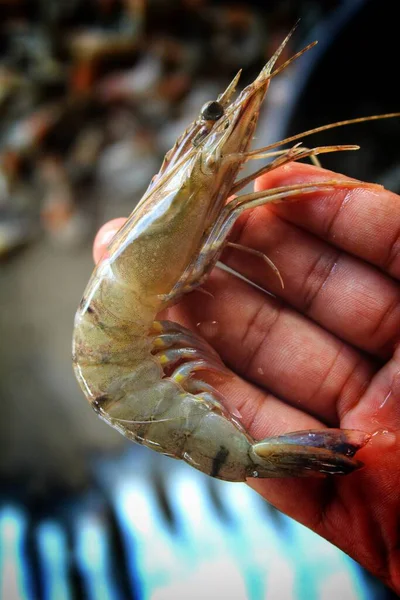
(182, 536)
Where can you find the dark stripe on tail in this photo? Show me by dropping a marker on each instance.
(219, 460)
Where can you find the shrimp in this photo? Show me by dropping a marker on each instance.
(142, 375)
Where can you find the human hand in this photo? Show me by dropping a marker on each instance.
(323, 352)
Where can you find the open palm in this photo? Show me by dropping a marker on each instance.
(323, 351)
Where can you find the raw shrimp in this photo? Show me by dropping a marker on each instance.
(142, 375)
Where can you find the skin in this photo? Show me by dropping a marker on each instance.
(325, 351)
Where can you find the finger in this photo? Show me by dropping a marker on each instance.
(104, 237)
(277, 348)
(361, 221)
(347, 296)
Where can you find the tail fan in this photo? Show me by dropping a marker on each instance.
(309, 453)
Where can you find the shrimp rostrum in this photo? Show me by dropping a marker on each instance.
(144, 376)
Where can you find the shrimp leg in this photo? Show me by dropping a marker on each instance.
(175, 344)
(190, 346)
(259, 254)
(178, 340)
(173, 355)
(272, 154)
(170, 334)
(292, 154)
(217, 238)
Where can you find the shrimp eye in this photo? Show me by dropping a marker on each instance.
(212, 111)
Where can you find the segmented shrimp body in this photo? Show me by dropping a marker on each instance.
(143, 375)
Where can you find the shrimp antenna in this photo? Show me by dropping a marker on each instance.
(304, 134)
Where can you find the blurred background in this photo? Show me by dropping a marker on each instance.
(92, 95)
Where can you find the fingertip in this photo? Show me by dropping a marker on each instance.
(290, 174)
(104, 237)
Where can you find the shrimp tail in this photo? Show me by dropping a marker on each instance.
(310, 453)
